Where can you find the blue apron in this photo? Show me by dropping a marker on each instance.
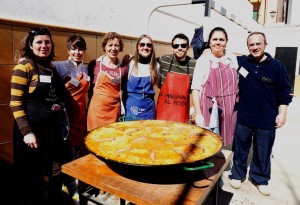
(140, 104)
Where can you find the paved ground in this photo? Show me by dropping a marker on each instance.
(285, 179)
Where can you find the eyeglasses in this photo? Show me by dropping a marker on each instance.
(184, 45)
(149, 45)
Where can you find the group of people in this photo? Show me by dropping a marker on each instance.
(243, 99)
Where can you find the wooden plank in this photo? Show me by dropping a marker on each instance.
(90, 170)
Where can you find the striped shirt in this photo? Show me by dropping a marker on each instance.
(24, 79)
(177, 67)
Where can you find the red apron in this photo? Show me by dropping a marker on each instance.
(174, 101)
(105, 104)
(77, 110)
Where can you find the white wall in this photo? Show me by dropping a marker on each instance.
(294, 6)
(131, 17)
(135, 17)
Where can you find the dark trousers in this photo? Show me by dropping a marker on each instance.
(70, 182)
(260, 168)
(31, 165)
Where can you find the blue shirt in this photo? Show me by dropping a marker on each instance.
(263, 86)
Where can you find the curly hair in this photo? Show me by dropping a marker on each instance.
(111, 36)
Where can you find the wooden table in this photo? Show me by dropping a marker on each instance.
(92, 171)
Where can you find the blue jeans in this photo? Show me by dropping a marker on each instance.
(260, 168)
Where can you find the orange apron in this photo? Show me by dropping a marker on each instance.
(105, 104)
(77, 110)
(173, 101)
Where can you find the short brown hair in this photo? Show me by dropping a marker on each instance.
(257, 33)
(111, 36)
(76, 40)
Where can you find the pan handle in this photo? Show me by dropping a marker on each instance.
(206, 166)
(122, 119)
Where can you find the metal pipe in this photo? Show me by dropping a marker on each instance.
(155, 9)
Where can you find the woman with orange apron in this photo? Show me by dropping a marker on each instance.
(105, 104)
(77, 82)
(77, 109)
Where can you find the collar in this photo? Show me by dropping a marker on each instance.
(100, 59)
(269, 57)
(77, 65)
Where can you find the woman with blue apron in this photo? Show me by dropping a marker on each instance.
(139, 97)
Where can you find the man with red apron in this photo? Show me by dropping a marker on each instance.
(175, 80)
(173, 101)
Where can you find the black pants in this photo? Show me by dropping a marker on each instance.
(31, 165)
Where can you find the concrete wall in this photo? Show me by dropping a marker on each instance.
(132, 17)
(294, 18)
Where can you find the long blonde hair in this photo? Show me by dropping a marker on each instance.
(152, 63)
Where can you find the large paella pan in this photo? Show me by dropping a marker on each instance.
(153, 143)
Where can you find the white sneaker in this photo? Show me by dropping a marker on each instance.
(235, 183)
(65, 189)
(264, 190)
(75, 199)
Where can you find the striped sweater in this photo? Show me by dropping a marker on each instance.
(23, 81)
(177, 67)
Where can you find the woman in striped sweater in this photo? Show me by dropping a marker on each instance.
(40, 127)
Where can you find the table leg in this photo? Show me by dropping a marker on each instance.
(215, 194)
(81, 188)
(122, 201)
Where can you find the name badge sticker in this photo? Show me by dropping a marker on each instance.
(75, 82)
(45, 78)
(243, 72)
(115, 80)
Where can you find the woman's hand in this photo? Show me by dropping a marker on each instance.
(30, 140)
(199, 120)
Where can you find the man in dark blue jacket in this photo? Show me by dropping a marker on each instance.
(264, 95)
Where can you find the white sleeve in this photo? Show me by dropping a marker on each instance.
(201, 72)
(131, 65)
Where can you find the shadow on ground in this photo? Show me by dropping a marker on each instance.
(224, 198)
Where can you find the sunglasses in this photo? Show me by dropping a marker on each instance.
(181, 45)
(149, 45)
(40, 31)
(37, 30)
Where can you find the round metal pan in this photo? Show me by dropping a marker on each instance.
(178, 168)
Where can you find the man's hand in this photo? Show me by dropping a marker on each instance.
(281, 117)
